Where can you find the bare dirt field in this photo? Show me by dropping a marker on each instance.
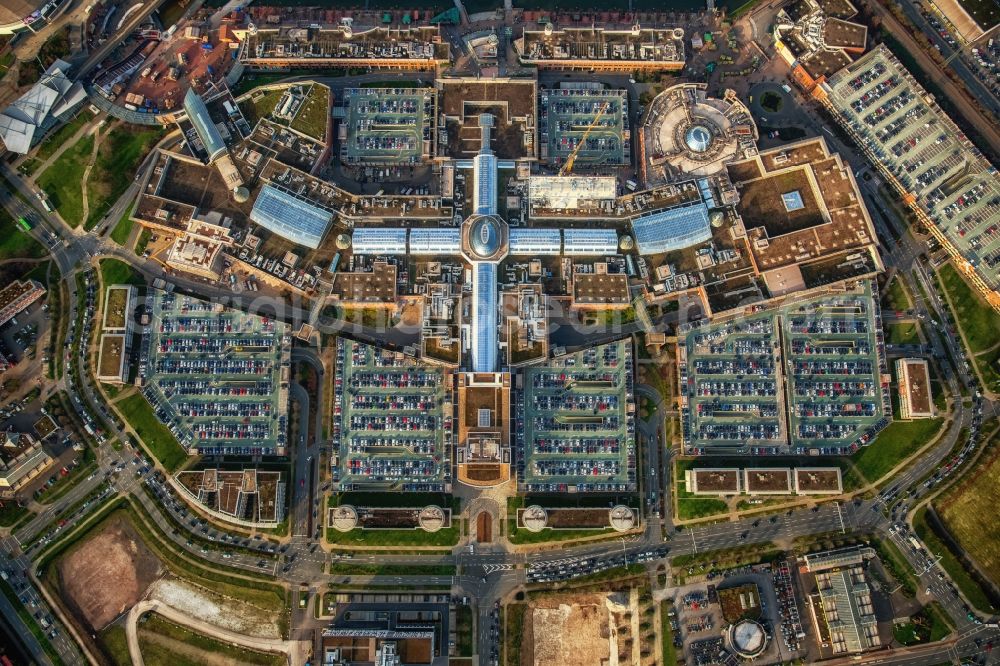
(577, 629)
(225, 612)
(107, 574)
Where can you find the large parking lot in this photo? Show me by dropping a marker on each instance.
(218, 378)
(386, 125)
(807, 376)
(599, 118)
(575, 423)
(390, 419)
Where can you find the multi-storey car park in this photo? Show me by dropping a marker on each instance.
(575, 423)
(387, 126)
(808, 376)
(392, 421)
(923, 154)
(217, 378)
(581, 113)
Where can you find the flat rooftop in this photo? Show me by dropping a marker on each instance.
(660, 45)
(600, 289)
(947, 178)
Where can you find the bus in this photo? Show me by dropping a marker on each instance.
(23, 223)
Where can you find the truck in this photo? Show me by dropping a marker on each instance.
(914, 543)
(784, 86)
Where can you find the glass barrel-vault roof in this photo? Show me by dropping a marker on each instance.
(590, 241)
(197, 113)
(484, 317)
(672, 229)
(435, 241)
(535, 241)
(379, 241)
(290, 216)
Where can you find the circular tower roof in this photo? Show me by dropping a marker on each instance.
(748, 638)
(484, 236)
(698, 138)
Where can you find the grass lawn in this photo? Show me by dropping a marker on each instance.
(114, 271)
(114, 645)
(978, 321)
(895, 296)
(61, 181)
(513, 633)
(48, 147)
(690, 506)
(118, 157)
(463, 630)
(898, 441)
(902, 333)
(142, 241)
(668, 649)
(260, 105)
(157, 627)
(312, 118)
(444, 537)
(897, 565)
(11, 513)
(954, 567)
(157, 438)
(348, 569)
(16, 244)
(123, 228)
(960, 509)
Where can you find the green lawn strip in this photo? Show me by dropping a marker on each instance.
(346, 569)
(728, 558)
(312, 118)
(895, 296)
(11, 513)
(114, 644)
(159, 625)
(416, 537)
(978, 321)
(154, 435)
(48, 147)
(61, 181)
(154, 654)
(118, 157)
(667, 647)
(952, 565)
(898, 441)
(521, 536)
(513, 615)
(689, 505)
(897, 565)
(463, 630)
(14, 243)
(142, 241)
(903, 333)
(31, 623)
(19, 525)
(124, 226)
(114, 271)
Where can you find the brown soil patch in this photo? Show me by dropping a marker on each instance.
(412, 313)
(107, 574)
(484, 527)
(771, 481)
(483, 472)
(570, 629)
(716, 481)
(818, 481)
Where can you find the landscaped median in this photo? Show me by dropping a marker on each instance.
(585, 508)
(978, 322)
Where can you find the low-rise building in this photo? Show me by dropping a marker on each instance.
(16, 296)
(601, 49)
(915, 400)
(21, 460)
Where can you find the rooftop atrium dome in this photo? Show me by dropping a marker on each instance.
(484, 236)
(698, 138)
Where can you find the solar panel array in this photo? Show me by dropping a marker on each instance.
(589, 241)
(435, 241)
(535, 241)
(290, 217)
(672, 229)
(379, 241)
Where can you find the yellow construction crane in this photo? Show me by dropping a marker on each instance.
(567, 168)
